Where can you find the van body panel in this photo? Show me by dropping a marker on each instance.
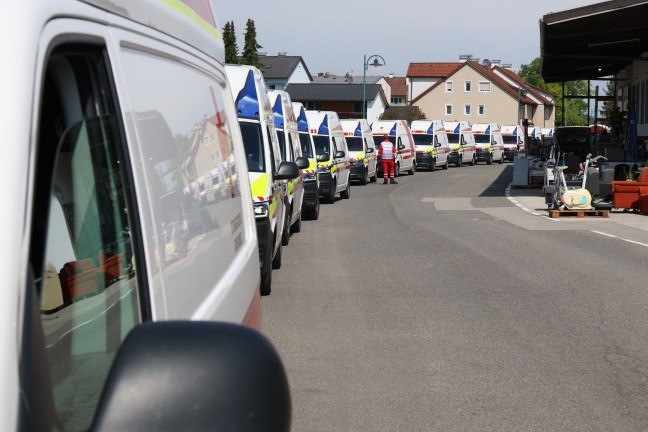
(488, 141)
(399, 133)
(513, 137)
(462, 142)
(431, 139)
(362, 150)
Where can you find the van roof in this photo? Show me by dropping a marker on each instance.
(191, 21)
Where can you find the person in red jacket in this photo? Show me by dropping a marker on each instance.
(387, 151)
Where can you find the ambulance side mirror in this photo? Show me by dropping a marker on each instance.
(370, 150)
(324, 157)
(302, 162)
(401, 146)
(287, 171)
(339, 154)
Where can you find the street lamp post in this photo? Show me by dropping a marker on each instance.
(365, 64)
(521, 92)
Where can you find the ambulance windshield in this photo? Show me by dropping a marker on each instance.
(453, 138)
(355, 143)
(253, 142)
(321, 144)
(304, 141)
(423, 139)
(510, 139)
(482, 139)
(380, 138)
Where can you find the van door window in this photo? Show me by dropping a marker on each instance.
(89, 298)
(253, 143)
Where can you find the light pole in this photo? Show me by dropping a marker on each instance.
(376, 63)
(521, 92)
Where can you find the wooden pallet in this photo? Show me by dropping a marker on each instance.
(578, 213)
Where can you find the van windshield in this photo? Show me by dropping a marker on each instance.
(510, 139)
(253, 142)
(304, 141)
(321, 144)
(482, 139)
(423, 139)
(355, 143)
(453, 138)
(380, 138)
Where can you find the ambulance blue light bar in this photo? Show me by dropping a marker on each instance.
(488, 129)
(431, 129)
(277, 110)
(324, 127)
(247, 101)
(456, 129)
(302, 122)
(393, 131)
(358, 130)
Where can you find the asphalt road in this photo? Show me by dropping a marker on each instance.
(439, 305)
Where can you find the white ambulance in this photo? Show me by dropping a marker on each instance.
(488, 140)
(462, 143)
(399, 133)
(432, 146)
(333, 161)
(266, 170)
(286, 125)
(130, 254)
(362, 150)
(513, 137)
(311, 202)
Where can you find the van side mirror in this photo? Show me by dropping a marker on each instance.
(302, 162)
(339, 154)
(401, 146)
(370, 150)
(195, 375)
(324, 157)
(287, 171)
(437, 144)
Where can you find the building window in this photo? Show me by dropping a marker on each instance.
(448, 109)
(467, 109)
(448, 86)
(318, 106)
(484, 86)
(467, 86)
(481, 110)
(397, 100)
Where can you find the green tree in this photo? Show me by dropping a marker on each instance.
(250, 49)
(229, 39)
(575, 109)
(408, 113)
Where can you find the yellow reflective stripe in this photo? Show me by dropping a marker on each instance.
(259, 187)
(191, 14)
(273, 204)
(312, 164)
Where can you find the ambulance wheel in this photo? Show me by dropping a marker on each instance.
(433, 166)
(330, 198)
(296, 227)
(266, 283)
(473, 161)
(397, 170)
(447, 164)
(314, 213)
(285, 235)
(501, 161)
(365, 178)
(412, 170)
(458, 164)
(346, 193)
(489, 161)
(276, 261)
(374, 178)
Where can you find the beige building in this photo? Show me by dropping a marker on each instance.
(479, 94)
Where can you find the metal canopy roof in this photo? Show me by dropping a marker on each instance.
(593, 41)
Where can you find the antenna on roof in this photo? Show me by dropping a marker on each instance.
(348, 77)
(485, 62)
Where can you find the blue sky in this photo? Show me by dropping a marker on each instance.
(334, 36)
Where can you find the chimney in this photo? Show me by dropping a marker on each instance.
(496, 63)
(464, 57)
(282, 53)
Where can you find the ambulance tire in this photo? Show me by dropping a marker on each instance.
(346, 193)
(330, 198)
(447, 164)
(314, 213)
(458, 164)
(501, 161)
(285, 235)
(397, 170)
(365, 179)
(276, 261)
(266, 283)
(433, 166)
(473, 161)
(412, 170)
(374, 178)
(489, 161)
(296, 227)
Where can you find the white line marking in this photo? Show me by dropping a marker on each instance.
(621, 238)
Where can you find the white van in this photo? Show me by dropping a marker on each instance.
(311, 202)
(266, 170)
(462, 143)
(488, 140)
(362, 151)
(333, 161)
(513, 137)
(399, 133)
(432, 146)
(128, 227)
(286, 125)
